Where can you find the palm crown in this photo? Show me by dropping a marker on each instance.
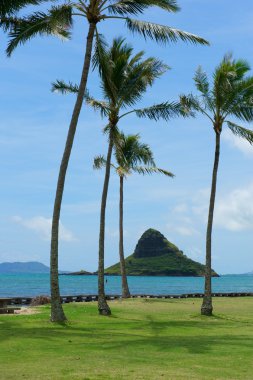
(58, 20)
(124, 79)
(230, 96)
(129, 154)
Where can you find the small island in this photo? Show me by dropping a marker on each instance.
(78, 273)
(154, 255)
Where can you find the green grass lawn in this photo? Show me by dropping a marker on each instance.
(143, 339)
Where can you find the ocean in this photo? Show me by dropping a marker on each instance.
(30, 285)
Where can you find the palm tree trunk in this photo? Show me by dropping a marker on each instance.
(125, 288)
(207, 307)
(103, 307)
(57, 313)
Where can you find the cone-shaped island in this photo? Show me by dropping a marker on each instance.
(154, 255)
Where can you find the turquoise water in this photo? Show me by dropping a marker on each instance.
(29, 285)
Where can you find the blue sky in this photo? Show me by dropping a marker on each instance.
(33, 127)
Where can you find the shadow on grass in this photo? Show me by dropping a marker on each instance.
(195, 336)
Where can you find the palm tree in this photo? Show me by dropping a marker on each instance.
(130, 153)
(58, 20)
(124, 79)
(231, 95)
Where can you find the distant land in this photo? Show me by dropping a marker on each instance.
(243, 274)
(79, 273)
(24, 267)
(154, 255)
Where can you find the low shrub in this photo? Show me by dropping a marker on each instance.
(40, 300)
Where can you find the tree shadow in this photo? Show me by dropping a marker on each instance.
(195, 336)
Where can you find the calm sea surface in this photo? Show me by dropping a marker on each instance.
(26, 285)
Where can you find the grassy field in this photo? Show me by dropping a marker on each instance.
(144, 339)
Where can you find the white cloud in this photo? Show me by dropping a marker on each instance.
(239, 143)
(185, 230)
(114, 233)
(201, 204)
(42, 226)
(182, 222)
(181, 208)
(235, 211)
(196, 253)
(92, 207)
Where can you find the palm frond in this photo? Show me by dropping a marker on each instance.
(100, 50)
(98, 105)
(136, 78)
(191, 104)
(64, 88)
(9, 23)
(10, 7)
(127, 7)
(162, 33)
(239, 99)
(201, 81)
(239, 131)
(99, 162)
(243, 112)
(165, 111)
(202, 84)
(151, 170)
(56, 22)
(70, 88)
(134, 7)
(102, 60)
(239, 66)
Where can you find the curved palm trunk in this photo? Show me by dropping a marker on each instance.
(57, 314)
(103, 307)
(207, 307)
(125, 288)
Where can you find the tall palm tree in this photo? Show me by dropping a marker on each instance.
(124, 79)
(231, 95)
(129, 154)
(58, 21)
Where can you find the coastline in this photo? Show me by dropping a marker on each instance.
(26, 301)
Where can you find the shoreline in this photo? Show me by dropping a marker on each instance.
(25, 301)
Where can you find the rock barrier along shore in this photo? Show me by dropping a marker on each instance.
(90, 298)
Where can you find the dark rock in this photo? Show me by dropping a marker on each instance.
(153, 243)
